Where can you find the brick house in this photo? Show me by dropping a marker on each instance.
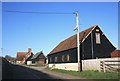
(23, 57)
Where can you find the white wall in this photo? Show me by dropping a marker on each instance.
(18, 62)
(94, 64)
(29, 62)
(91, 64)
(65, 66)
(47, 61)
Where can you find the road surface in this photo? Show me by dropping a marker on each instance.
(12, 71)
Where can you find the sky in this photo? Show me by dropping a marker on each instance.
(0, 28)
(43, 32)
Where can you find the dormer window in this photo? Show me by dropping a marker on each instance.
(97, 38)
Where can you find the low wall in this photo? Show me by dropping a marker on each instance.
(65, 66)
(94, 64)
(29, 62)
(91, 64)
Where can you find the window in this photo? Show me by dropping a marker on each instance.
(63, 58)
(55, 59)
(97, 38)
(50, 59)
(68, 58)
(97, 30)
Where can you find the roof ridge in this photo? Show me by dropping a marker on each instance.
(70, 42)
(80, 32)
(90, 28)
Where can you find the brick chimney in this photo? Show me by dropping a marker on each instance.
(29, 51)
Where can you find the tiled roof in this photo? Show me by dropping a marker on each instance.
(21, 55)
(71, 42)
(38, 54)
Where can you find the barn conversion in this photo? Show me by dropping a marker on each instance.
(93, 44)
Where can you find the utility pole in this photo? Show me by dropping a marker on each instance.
(78, 42)
(1, 51)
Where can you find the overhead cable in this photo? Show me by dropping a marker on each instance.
(36, 12)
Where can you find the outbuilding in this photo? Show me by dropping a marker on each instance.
(39, 58)
(115, 54)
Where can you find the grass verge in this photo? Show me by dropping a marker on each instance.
(90, 74)
(36, 65)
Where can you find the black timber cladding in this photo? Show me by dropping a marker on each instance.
(71, 52)
(102, 50)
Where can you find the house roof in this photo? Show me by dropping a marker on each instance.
(71, 42)
(21, 55)
(38, 54)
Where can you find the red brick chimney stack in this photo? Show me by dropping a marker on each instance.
(29, 51)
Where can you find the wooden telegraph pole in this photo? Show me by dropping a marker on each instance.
(78, 42)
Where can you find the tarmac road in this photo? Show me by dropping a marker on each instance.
(11, 71)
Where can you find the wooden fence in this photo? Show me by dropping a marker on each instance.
(102, 64)
(110, 66)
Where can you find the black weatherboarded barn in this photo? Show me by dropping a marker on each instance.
(93, 44)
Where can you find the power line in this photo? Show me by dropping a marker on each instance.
(7, 51)
(12, 11)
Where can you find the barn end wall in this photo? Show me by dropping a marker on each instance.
(104, 49)
(92, 50)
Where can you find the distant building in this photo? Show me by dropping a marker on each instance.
(23, 57)
(39, 58)
(115, 54)
(93, 44)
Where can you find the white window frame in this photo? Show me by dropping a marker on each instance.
(56, 59)
(98, 39)
(50, 59)
(63, 58)
(68, 57)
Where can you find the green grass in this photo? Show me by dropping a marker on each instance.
(36, 65)
(90, 74)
